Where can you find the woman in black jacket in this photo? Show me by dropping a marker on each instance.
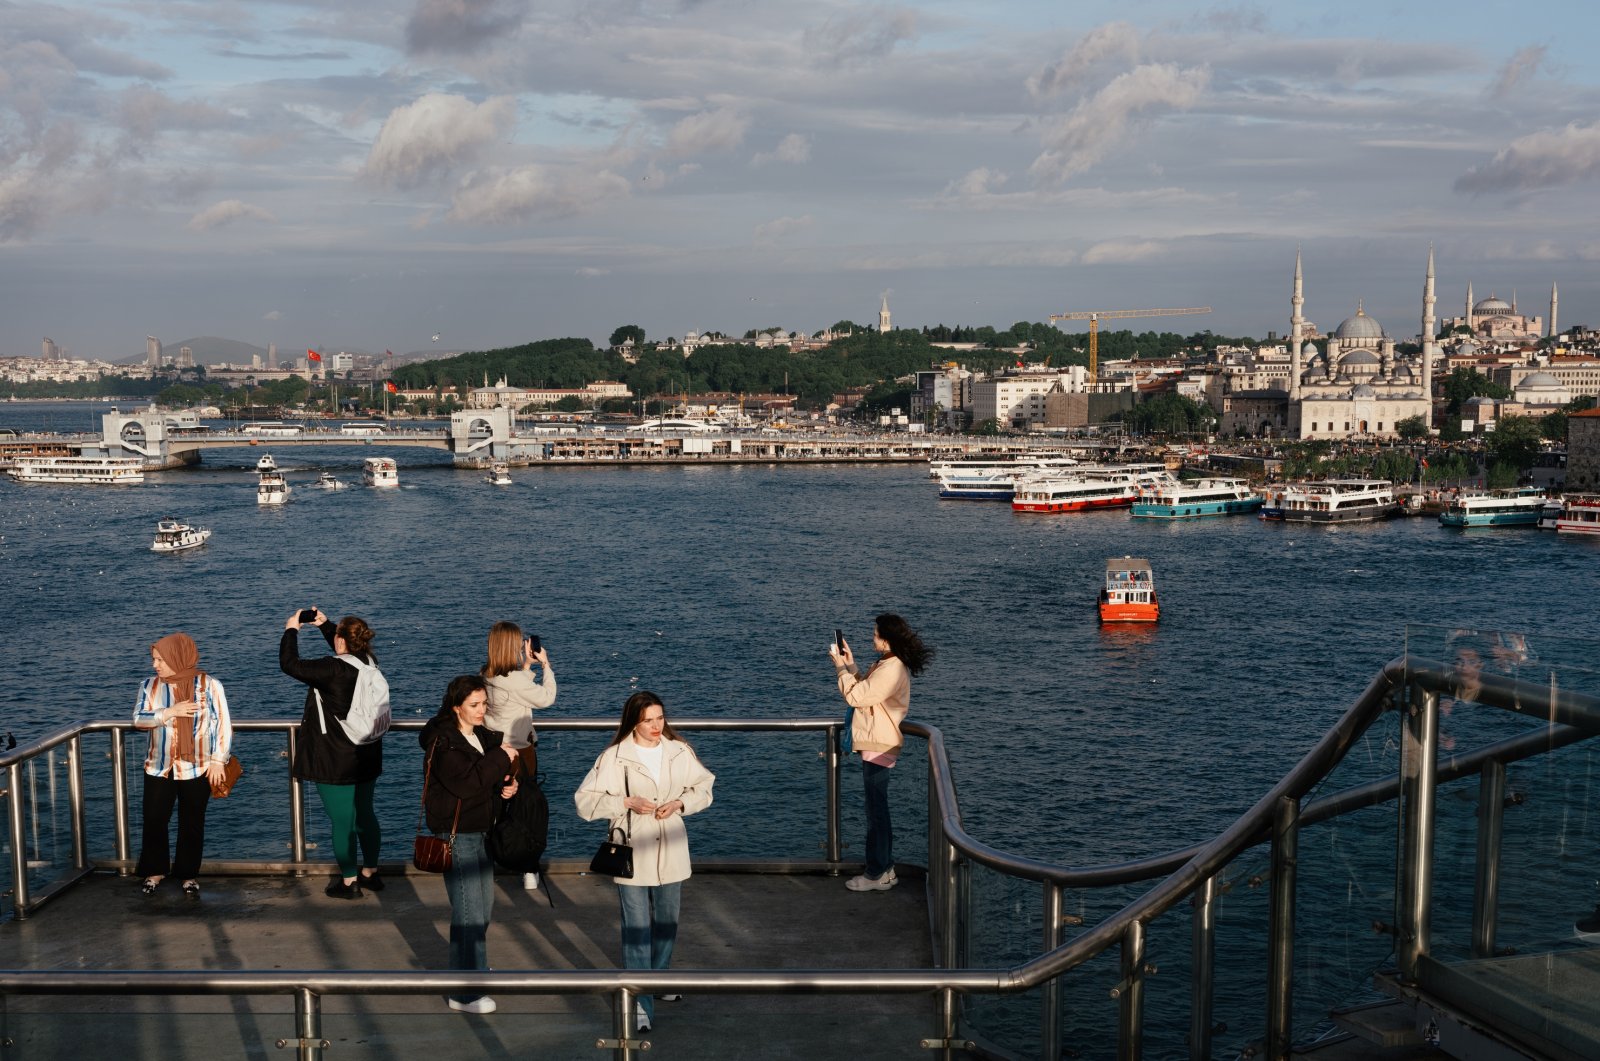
(467, 766)
(345, 773)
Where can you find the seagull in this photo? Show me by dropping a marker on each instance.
(435, 336)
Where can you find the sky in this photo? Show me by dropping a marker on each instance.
(364, 175)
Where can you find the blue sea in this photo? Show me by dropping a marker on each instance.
(720, 587)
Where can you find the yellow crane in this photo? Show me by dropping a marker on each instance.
(1095, 316)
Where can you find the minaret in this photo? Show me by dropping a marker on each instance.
(1296, 327)
(1513, 300)
(1427, 333)
(1553, 330)
(1470, 325)
(883, 315)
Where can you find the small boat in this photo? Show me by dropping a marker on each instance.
(1500, 508)
(1550, 514)
(1129, 595)
(499, 474)
(1580, 514)
(266, 463)
(271, 489)
(329, 481)
(380, 472)
(174, 537)
(1208, 497)
(1332, 501)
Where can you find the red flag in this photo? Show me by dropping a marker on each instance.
(389, 386)
(313, 355)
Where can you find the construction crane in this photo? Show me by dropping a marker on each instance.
(1095, 316)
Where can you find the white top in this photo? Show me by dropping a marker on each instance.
(472, 739)
(651, 757)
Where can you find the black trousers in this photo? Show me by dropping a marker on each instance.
(191, 797)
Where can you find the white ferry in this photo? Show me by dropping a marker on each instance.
(978, 485)
(938, 469)
(1207, 497)
(380, 472)
(1500, 508)
(1074, 493)
(272, 429)
(175, 537)
(271, 488)
(1580, 514)
(266, 463)
(1332, 501)
(329, 481)
(499, 474)
(109, 471)
(1550, 514)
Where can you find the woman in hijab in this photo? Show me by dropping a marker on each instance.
(186, 712)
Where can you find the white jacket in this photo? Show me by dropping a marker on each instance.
(660, 846)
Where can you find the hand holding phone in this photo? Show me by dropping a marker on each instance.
(308, 615)
(838, 639)
(534, 647)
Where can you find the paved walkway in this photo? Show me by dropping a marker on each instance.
(743, 921)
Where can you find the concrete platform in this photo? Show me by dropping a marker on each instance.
(730, 921)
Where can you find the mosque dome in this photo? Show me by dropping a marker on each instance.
(1360, 326)
(1359, 357)
(1467, 347)
(1536, 380)
(1492, 307)
(1364, 391)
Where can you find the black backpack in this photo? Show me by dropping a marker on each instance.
(521, 830)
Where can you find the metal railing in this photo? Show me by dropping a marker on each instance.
(1192, 873)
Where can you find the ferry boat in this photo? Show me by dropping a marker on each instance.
(978, 485)
(1550, 514)
(1207, 497)
(266, 463)
(1580, 514)
(1030, 462)
(1074, 493)
(174, 537)
(1500, 508)
(271, 488)
(1332, 501)
(1129, 595)
(380, 472)
(107, 471)
(329, 481)
(499, 474)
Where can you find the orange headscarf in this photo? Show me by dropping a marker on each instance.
(179, 652)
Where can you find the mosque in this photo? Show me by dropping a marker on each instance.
(1495, 319)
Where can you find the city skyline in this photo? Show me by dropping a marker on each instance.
(370, 174)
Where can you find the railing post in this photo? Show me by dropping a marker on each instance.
(19, 841)
(80, 846)
(623, 1023)
(1419, 767)
(119, 796)
(938, 882)
(1203, 974)
(308, 1024)
(1050, 990)
(1486, 890)
(297, 812)
(835, 830)
(1280, 948)
(1130, 994)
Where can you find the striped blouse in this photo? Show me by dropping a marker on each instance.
(213, 730)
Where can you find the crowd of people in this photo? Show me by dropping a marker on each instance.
(479, 749)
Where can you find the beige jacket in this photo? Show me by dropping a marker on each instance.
(882, 700)
(660, 846)
(512, 700)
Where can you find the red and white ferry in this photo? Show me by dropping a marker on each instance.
(1580, 514)
(1074, 493)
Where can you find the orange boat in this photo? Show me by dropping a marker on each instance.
(1129, 595)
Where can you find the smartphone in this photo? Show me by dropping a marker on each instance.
(838, 639)
(307, 614)
(533, 645)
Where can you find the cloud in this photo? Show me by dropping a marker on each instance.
(1524, 64)
(145, 113)
(1099, 123)
(981, 181)
(533, 193)
(864, 33)
(284, 57)
(1113, 41)
(1120, 252)
(794, 149)
(768, 234)
(25, 204)
(718, 130)
(272, 315)
(458, 27)
(589, 272)
(1538, 160)
(226, 213)
(423, 141)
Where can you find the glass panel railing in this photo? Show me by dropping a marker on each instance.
(1003, 926)
(42, 795)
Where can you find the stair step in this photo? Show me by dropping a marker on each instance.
(1390, 1023)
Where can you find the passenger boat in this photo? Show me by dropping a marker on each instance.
(1332, 501)
(271, 488)
(266, 463)
(978, 485)
(380, 472)
(1580, 514)
(499, 474)
(174, 537)
(105, 471)
(1129, 595)
(1550, 514)
(1207, 497)
(329, 481)
(1499, 508)
(1029, 462)
(1074, 493)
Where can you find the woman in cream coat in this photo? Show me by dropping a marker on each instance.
(646, 781)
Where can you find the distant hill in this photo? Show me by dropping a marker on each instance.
(209, 350)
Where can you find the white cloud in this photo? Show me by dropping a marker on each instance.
(981, 181)
(425, 140)
(1118, 252)
(1079, 140)
(226, 213)
(1521, 66)
(794, 149)
(1539, 160)
(719, 130)
(272, 315)
(144, 113)
(592, 271)
(533, 193)
(1114, 40)
(461, 26)
(768, 234)
(862, 33)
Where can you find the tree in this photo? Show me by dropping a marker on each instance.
(1466, 383)
(1553, 426)
(626, 332)
(569, 404)
(1514, 442)
(1411, 428)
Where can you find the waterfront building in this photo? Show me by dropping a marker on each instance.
(944, 393)
(1578, 373)
(1583, 451)
(1016, 399)
(185, 357)
(502, 394)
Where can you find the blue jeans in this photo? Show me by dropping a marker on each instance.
(470, 884)
(880, 831)
(649, 929)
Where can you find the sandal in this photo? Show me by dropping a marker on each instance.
(149, 885)
(191, 888)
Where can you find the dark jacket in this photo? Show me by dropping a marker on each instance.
(461, 772)
(329, 758)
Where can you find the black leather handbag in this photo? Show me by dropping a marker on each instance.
(614, 859)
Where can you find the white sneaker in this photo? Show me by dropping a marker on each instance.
(530, 882)
(865, 883)
(641, 1019)
(668, 998)
(481, 1004)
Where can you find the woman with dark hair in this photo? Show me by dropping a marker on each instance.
(879, 700)
(645, 782)
(466, 766)
(514, 695)
(186, 712)
(345, 773)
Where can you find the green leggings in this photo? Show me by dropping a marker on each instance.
(350, 810)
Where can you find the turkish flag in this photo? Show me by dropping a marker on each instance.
(389, 386)
(313, 355)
